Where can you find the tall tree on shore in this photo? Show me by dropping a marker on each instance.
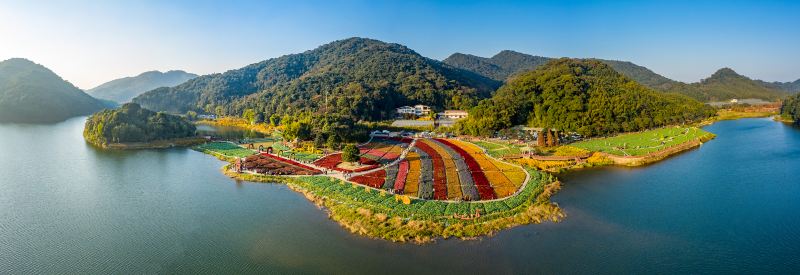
(350, 153)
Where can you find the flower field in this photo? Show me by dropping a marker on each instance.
(270, 164)
(443, 169)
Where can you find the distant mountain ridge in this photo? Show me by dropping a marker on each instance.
(361, 78)
(124, 89)
(715, 88)
(31, 93)
(790, 87)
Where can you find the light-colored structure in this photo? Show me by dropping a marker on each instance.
(417, 110)
(454, 114)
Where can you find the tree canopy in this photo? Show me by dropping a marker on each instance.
(359, 78)
(791, 108)
(584, 96)
(131, 123)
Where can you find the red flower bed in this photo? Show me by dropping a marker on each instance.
(263, 163)
(292, 162)
(400, 181)
(439, 179)
(332, 161)
(329, 161)
(372, 179)
(485, 189)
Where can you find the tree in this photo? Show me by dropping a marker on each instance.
(259, 118)
(540, 138)
(219, 111)
(274, 120)
(191, 115)
(550, 138)
(249, 115)
(319, 141)
(350, 153)
(333, 142)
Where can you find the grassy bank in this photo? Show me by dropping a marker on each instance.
(381, 215)
(645, 142)
(158, 144)
(732, 115)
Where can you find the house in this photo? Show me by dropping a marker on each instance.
(417, 110)
(207, 117)
(453, 114)
(734, 101)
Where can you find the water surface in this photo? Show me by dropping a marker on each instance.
(732, 205)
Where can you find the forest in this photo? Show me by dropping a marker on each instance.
(132, 123)
(359, 78)
(584, 96)
(791, 108)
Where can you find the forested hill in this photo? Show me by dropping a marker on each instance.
(131, 123)
(31, 93)
(124, 89)
(585, 96)
(726, 84)
(715, 88)
(507, 63)
(360, 78)
(789, 87)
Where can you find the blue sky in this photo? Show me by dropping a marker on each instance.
(90, 42)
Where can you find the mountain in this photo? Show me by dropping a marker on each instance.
(711, 90)
(498, 67)
(507, 63)
(124, 89)
(726, 84)
(360, 78)
(582, 95)
(31, 93)
(789, 87)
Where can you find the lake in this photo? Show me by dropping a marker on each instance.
(731, 206)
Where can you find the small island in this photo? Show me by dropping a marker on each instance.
(133, 127)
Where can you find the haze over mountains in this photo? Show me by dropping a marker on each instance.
(124, 89)
(723, 85)
(29, 92)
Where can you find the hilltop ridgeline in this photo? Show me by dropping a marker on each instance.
(31, 93)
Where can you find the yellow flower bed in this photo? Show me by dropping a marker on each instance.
(545, 165)
(412, 180)
(453, 183)
(502, 186)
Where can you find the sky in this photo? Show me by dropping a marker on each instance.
(92, 42)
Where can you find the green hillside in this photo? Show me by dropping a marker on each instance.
(727, 84)
(131, 123)
(124, 89)
(363, 79)
(715, 88)
(585, 96)
(31, 93)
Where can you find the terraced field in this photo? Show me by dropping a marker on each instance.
(442, 169)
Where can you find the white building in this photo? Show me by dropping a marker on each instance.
(417, 110)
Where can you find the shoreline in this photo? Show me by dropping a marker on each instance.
(157, 144)
(379, 215)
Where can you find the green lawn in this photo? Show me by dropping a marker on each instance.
(226, 149)
(636, 144)
(499, 149)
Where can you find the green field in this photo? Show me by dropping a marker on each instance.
(225, 148)
(642, 143)
(499, 149)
